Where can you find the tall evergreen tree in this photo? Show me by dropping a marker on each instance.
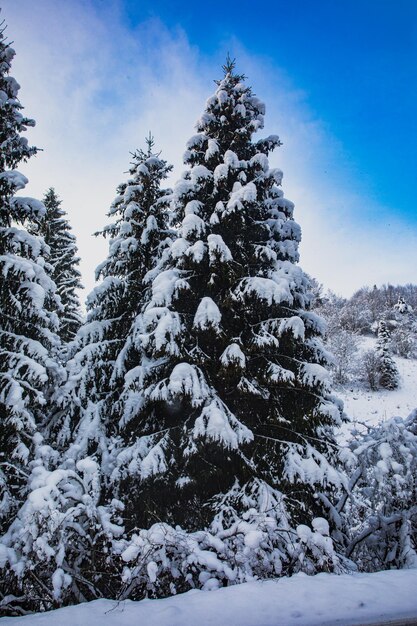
(59, 545)
(63, 260)
(389, 376)
(233, 413)
(27, 299)
(199, 386)
(106, 344)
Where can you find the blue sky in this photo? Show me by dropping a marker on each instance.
(339, 80)
(356, 61)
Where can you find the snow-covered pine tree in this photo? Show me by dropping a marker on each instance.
(233, 416)
(106, 346)
(27, 297)
(404, 333)
(58, 549)
(402, 307)
(389, 376)
(63, 260)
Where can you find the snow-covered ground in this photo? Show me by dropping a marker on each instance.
(371, 407)
(321, 600)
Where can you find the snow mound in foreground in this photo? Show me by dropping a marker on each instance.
(321, 600)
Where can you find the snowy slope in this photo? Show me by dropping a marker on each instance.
(321, 600)
(371, 407)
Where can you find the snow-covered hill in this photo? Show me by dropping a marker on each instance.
(370, 407)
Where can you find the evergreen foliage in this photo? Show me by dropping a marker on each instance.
(195, 430)
(27, 298)
(107, 346)
(199, 378)
(389, 377)
(59, 549)
(233, 413)
(402, 306)
(56, 232)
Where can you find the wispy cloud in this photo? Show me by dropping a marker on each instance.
(96, 87)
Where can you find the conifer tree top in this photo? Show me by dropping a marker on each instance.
(229, 65)
(28, 300)
(14, 148)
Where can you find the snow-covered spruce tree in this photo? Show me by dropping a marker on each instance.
(27, 299)
(106, 346)
(389, 377)
(404, 335)
(402, 307)
(232, 427)
(59, 545)
(63, 259)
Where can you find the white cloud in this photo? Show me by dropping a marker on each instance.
(96, 88)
